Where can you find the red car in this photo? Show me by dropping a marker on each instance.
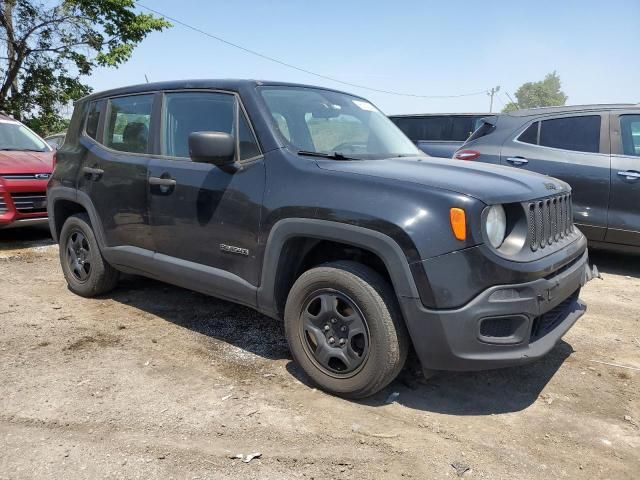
(26, 163)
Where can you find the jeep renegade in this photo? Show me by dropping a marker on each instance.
(311, 206)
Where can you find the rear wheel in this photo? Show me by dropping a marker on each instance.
(344, 329)
(87, 273)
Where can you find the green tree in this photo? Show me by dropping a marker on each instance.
(545, 93)
(51, 46)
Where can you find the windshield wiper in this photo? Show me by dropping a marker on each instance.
(20, 150)
(333, 156)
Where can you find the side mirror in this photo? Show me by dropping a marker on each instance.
(217, 148)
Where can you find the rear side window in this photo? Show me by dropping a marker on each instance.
(424, 128)
(93, 119)
(630, 132)
(579, 134)
(128, 123)
(461, 128)
(438, 128)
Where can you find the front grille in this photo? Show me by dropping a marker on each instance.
(30, 202)
(550, 220)
(545, 323)
(26, 176)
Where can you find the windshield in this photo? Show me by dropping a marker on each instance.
(15, 136)
(327, 122)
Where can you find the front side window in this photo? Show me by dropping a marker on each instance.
(16, 137)
(188, 112)
(328, 122)
(579, 134)
(128, 123)
(630, 133)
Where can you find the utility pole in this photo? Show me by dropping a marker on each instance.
(491, 93)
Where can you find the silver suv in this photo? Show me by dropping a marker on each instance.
(594, 148)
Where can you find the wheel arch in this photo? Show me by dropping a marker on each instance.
(290, 250)
(62, 202)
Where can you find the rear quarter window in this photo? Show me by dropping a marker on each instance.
(530, 135)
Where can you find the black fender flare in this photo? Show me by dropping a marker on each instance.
(376, 242)
(54, 194)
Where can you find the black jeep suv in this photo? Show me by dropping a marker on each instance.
(309, 205)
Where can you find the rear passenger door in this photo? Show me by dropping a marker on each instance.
(624, 209)
(206, 215)
(573, 148)
(114, 173)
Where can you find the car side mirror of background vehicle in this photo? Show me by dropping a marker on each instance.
(216, 148)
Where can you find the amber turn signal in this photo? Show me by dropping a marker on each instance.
(458, 223)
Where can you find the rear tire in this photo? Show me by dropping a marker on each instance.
(345, 330)
(87, 273)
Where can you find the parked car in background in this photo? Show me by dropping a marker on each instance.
(55, 141)
(26, 163)
(594, 148)
(311, 206)
(439, 135)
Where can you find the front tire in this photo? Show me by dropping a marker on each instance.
(87, 273)
(344, 329)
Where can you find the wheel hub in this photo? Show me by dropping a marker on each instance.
(334, 332)
(79, 256)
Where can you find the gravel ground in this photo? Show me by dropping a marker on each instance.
(153, 381)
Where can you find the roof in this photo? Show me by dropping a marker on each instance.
(528, 112)
(418, 115)
(233, 85)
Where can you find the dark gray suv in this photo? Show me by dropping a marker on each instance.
(310, 206)
(594, 148)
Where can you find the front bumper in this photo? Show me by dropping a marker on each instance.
(505, 325)
(12, 215)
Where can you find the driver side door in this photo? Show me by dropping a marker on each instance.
(197, 210)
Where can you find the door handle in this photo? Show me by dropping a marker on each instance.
(93, 173)
(630, 175)
(517, 160)
(162, 182)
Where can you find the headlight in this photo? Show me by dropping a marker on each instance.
(495, 225)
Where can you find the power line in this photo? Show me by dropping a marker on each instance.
(294, 67)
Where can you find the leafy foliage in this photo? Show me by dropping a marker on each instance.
(51, 46)
(545, 93)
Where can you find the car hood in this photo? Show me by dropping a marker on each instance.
(488, 183)
(12, 162)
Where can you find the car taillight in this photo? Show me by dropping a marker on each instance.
(467, 155)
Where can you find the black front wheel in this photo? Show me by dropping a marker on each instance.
(344, 329)
(87, 273)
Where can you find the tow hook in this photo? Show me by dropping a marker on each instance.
(590, 273)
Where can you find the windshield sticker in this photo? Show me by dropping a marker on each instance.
(364, 105)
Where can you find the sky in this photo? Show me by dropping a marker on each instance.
(418, 47)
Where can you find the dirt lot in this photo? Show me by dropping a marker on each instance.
(154, 381)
